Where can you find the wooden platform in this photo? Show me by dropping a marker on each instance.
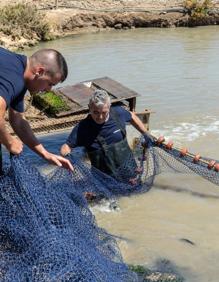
(78, 95)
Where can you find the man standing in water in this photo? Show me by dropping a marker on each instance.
(44, 69)
(103, 134)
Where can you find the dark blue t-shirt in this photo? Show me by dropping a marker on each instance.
(12, 85)
(85, 133)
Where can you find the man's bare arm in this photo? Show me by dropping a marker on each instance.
(13, 144)
(25, 133)
(137, 123)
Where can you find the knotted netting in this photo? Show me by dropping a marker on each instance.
(137, 172)
(47, 231)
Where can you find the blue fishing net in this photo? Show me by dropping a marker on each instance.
(47, 231)
(135, 175)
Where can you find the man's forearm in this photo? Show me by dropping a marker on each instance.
(137, 123)
(25, 133)
(5, 136)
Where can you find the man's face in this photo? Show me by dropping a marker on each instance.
(99, 114)
(42, 82)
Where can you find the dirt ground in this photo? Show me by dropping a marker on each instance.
(100, 4)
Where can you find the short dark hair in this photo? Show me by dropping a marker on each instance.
(52, 60)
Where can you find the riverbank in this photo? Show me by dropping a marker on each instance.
(85, 16)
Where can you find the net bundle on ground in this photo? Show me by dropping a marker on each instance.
(47, 231)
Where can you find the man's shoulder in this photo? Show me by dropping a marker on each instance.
(12, 57)
(84, 122)
(12, 67)
(85, 125)
(4, 52)
(119, 110)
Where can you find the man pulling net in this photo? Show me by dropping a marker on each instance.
(103, 134)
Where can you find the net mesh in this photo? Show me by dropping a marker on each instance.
(47, 231)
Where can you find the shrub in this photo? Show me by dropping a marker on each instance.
(198, 8)
(24, 20)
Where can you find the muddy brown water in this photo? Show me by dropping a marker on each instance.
(175, 225)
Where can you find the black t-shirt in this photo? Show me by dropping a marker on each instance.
(85, 133)
(12, 84)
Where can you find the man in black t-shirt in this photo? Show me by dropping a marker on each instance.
(103, 133)
(44, 69)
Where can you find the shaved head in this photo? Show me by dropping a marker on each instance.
(53, 62)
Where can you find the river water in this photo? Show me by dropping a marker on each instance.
(176, 72)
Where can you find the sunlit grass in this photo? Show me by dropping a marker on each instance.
(50, 102)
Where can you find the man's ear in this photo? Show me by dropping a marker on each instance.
(40, 71)
(89, 108)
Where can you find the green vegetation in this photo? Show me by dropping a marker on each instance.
(24, 21)
(50, 102)
(139, 269)
(198, 8)
(147, 275)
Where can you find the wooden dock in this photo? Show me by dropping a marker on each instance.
(77, 97)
